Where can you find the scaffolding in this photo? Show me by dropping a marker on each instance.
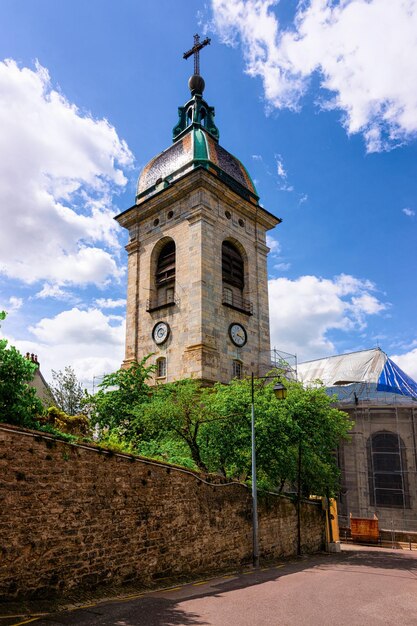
(285, 363)
(379, 480)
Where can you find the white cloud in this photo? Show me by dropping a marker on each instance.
(409, 212)
(273, 244)
(58, 171)
(11, 305)
(280, 166)
(90, 342)
(75, 325)
(303, 311)
(55, 292)
(283, 267)
(275, 252)
(282, 174)
(14, 304)
(407, 362)
(256, 157)
(365, 52)
(108, 303)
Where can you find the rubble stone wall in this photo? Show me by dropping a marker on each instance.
(75, 517)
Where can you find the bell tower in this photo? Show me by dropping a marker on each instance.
(197, 294)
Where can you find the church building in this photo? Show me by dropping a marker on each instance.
(197, 294)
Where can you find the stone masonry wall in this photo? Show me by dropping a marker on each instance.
(74, 517)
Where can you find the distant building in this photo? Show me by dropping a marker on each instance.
(39, 383)
(379, 464)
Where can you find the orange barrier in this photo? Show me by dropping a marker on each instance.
(364, 529)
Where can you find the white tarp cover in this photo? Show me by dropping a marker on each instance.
(355, 367)
(367, 366)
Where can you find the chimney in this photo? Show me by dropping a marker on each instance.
(32, 357)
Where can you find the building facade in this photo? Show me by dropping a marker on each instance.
(197, 295)
(379, 461)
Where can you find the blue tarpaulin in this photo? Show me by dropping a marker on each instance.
(367, 374)
(394, 380)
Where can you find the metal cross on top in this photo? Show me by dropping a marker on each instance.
(195, 50)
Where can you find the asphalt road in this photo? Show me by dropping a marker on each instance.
(359, 587)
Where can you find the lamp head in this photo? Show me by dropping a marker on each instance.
(280, 391)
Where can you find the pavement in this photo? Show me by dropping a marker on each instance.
(361, 586)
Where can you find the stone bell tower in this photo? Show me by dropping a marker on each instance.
(197, 295)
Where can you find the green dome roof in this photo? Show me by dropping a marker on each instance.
(195, 145)
(194, 149)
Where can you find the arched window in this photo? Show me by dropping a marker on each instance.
(162, 276)
(165, 269)
(190, 116)
(232, 266)
(237, 369)
(387, 470)
(161, 367)
(233, 278)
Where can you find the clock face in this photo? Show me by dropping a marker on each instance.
(238, 334)
(160, 332)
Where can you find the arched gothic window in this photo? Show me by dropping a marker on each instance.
(387, 470)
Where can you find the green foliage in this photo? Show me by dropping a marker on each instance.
(19, 403)
(167, 450)
(112, 441)
(114, 406)
(71, 424)
(215, 425)
(173, 419)
(67, 391)
(317, 429)
(58, 434)
(210, 428)
(228, 438)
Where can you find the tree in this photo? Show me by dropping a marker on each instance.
(228, 439)
(19, 403)
(172, 421)
(67, 391)
(114, 406)
(305, 420)
(317, 430)
(210, 428)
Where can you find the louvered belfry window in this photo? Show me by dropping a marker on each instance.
(165, 270)
(232, 266)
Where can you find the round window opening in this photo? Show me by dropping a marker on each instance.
(228, 215)
(170, 215)
(156, 222)
(241, 223)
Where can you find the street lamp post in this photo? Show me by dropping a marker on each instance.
(280, 392)
(254, 485)
(299, 498)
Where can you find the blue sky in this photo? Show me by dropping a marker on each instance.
(318, 100)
